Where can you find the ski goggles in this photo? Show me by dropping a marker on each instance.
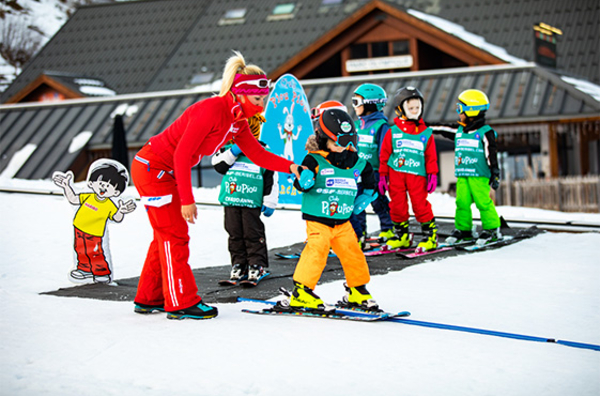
(249, 84)
(316, 112)
(357, 102)
(346, 140)
(461, 108)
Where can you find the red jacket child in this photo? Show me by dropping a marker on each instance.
(408, 163)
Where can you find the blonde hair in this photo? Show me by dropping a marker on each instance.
(236, 64)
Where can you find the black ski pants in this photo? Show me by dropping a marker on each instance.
(247, 239)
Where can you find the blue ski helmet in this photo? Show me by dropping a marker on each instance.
(372, 94)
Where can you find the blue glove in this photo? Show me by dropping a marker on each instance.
(363, 200)
(235, 150)
(307, 179)
(267, 211)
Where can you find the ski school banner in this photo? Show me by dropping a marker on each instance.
(286, 130)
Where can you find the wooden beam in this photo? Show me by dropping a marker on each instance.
(553, 150)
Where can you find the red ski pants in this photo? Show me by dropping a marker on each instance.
(166, 276)
(402, 186)
(90, 254)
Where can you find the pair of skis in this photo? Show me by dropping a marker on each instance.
(468, 246)
(340, 313)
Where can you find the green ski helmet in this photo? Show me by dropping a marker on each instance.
(372, 94)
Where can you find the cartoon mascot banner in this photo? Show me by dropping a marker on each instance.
(107, 180)
(287, 128)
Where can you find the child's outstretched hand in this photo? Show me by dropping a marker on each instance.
(307, 179)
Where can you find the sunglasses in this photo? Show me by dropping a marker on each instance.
(260, 83)
(461, 107)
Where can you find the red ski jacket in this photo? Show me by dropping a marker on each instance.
(201, 130)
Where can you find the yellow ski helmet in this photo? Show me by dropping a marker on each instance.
(472, 102)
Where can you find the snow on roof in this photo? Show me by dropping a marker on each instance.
(584, 86)
(96, 91)
(473, 39)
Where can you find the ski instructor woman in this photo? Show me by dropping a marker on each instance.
(161, 172)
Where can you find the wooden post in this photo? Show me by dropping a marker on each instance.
(553, 150)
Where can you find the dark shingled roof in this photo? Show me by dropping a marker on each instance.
(156, 45)
(518, 94)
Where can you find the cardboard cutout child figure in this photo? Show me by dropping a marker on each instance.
(107, 179)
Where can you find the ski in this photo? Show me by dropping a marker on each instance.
(421, 254)
(385, 250)
(288, 256)
(401, 314)
(230, 282)
(348, 311)
(506, 240)
(313, 314)
(248, 283)
(296, 255)
(370, 246)
(457, 244)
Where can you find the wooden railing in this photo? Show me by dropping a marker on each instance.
(566, 194)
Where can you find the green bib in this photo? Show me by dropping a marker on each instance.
(368, 148)
(334, 191)
(469, 153)
(242, 185)
(408, 154)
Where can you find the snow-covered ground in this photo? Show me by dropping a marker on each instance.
(548, 286)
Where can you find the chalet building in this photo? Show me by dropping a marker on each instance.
(149, 60)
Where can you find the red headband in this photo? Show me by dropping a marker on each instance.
(250, 84)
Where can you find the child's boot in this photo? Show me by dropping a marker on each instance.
(430, 238)
(459, 236)
(238, 272)
(488, 236)
(359, 297)
(303, 298)
(384, 236)
(401, 238)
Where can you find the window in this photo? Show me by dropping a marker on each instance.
(233, 17)
(358, 51)
(400, 47)
(380, 49)
(283, 11)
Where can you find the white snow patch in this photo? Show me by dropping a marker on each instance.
(584, 86)
(96, 91)
(548, 286)
(17, 161)
(471, 38)
(79, 141)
